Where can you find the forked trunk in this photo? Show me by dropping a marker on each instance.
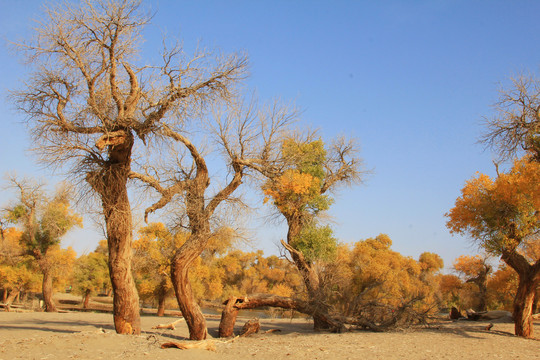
(523, 307)
(184, 295)
(47, 290)
(110, 182)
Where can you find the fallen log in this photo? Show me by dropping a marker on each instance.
(233, 305)
(167, 326)
(205, 345)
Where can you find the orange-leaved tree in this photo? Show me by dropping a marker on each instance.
(44, 221)
(154, 251)
(298, 181)
(502, 214)
(476, 270)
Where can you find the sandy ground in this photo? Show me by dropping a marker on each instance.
(39, 335)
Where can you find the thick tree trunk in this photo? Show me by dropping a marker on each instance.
(523, 307)
(110, 182)
(184, 295)
(228, 318)
(47, 290)
(86, 300)
(4, 295)
(125, 297)
(529, 280)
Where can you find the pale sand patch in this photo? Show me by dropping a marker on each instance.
(91, 336)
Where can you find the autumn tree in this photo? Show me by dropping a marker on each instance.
(501, 214)
(154, 251)
(450, 287)
(17, 272)
(92, 106)
(502, 286)
(476, 270)
(185, 184)
(387, 288)
(298, 181)
(90, 275)
(44, 221)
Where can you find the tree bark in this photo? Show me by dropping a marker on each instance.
(529, 280)
(47, 290)
(228, 318)
(182, 287)
(110, 182)
(523, 307)
(4, 295)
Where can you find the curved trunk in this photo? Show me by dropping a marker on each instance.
(523, 307)
(529, 280)
(110, 182)
(47, 290)
(184, 295)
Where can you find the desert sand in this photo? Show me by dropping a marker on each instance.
(78, 335)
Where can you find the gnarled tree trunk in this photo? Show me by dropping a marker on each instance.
(309, 275)
(523, 307)
(184, 295)
(529, 280)
(47, 289)
(110, 182)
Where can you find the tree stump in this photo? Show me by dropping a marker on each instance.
(251, 327)
(228, 318)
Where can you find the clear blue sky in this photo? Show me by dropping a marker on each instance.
(411, 80)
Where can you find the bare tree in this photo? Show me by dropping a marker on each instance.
(88, 104)
(188, 186)
(516, 124)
